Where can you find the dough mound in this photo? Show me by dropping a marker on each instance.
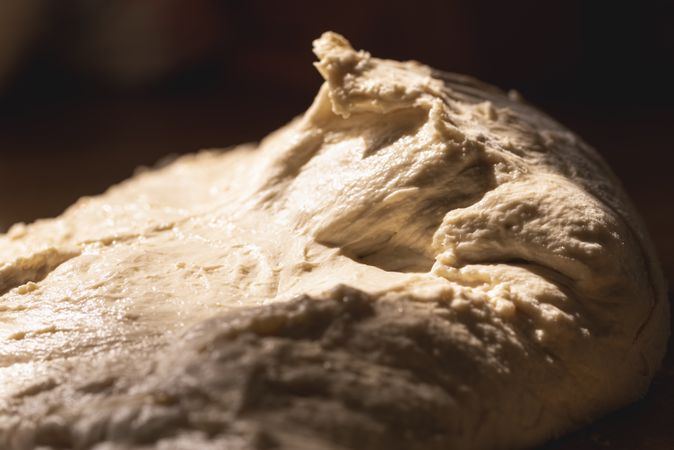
(420, 261)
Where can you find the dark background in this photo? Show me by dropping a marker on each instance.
(91, 89)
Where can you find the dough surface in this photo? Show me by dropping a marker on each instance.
(419, 261)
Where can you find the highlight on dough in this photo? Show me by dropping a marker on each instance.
(418, 261)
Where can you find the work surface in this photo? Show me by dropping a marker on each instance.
(50, 157)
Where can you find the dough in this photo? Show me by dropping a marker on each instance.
(419, 261)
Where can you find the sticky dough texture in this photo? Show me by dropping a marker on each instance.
(419, 261)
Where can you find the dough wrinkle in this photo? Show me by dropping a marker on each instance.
(33, 268)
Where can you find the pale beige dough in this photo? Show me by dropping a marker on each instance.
(419, 261)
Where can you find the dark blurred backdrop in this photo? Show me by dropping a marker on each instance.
(91, 89)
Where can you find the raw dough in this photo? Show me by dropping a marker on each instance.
(419, 261)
